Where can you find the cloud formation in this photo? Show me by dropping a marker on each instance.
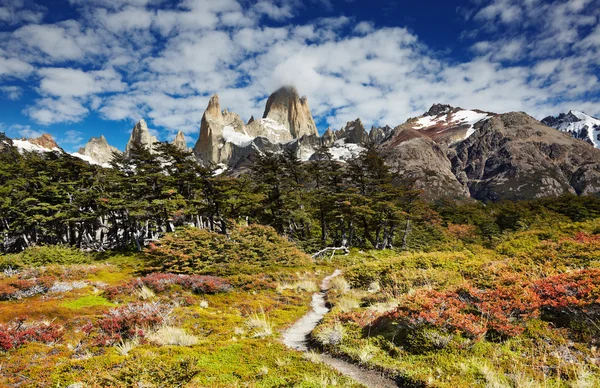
(136, 58)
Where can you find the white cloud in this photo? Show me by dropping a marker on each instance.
(19, 11)
(14, 67)
(67, 82)
(57, 110)
(11, 92)
(136, 58)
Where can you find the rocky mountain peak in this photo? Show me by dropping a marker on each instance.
(180, 141)
(287, 108)
(45, 141)
(438, 109)
(213, 108)
(141, 135)
(577, 124)
(97, 151)
(354, 132)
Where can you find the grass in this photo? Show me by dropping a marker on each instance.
(87, 301)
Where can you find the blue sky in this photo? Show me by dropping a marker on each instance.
(81, 68)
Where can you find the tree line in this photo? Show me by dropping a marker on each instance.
(55, 198)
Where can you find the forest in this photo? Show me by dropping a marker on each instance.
(54, 198)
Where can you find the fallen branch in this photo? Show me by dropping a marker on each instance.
(323, 251)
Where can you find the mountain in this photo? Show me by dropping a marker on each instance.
(577, 124)
(415, 158)
(514, 156)
(180, 141)
(141, 135)
(97, 151)
(226, 140)
(447, 124)
(285, 106)
(44, 143)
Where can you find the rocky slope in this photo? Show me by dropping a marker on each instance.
(415, 158)
(514, 156)
(141, 135)
(577, 124)
(97, 151)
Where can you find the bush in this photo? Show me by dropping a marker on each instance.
(128, 322)
(159, 282)
(44, 255)
(247, 250)
(18, 333)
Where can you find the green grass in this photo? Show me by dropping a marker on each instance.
(87, 301)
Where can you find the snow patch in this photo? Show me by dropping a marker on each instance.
(26, 146)
(239, 139)
(343, 152)
(462, 117)
(88, 159)
(577, 127)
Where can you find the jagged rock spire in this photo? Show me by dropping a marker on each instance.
(141, 135)
(286, 107)
(180, 142)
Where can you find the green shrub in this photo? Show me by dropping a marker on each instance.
(45, 255)
(250, 249)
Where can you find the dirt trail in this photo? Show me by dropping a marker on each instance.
(296, 337)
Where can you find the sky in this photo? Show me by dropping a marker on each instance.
(82, 68)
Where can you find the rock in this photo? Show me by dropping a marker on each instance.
(98, 150)
(415, 158)
(180, 141)
(211, 147)
(328, 137)
(354, 132)
(45, 141)
(286, 107)
(141, 135)
(439, 109)
(513, 156)
(577, 124)
(381, 134)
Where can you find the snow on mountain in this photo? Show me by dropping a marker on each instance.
(239, 139)
(27, 146)
(452, 118)
(342, 151)
(90, 160)
(577, 124)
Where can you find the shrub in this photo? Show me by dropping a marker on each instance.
(18, 333)
(44, 255)
(128, 322)
(246, 250)
(159, 282)
(16, 288)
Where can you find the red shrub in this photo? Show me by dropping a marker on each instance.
(577, 289)
(160, 282)
(503, 309)
(18, 333)
(129, 321)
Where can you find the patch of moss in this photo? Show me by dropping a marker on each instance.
(87, 301)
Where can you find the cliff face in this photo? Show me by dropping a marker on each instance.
(226, 139)
(286, 107)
